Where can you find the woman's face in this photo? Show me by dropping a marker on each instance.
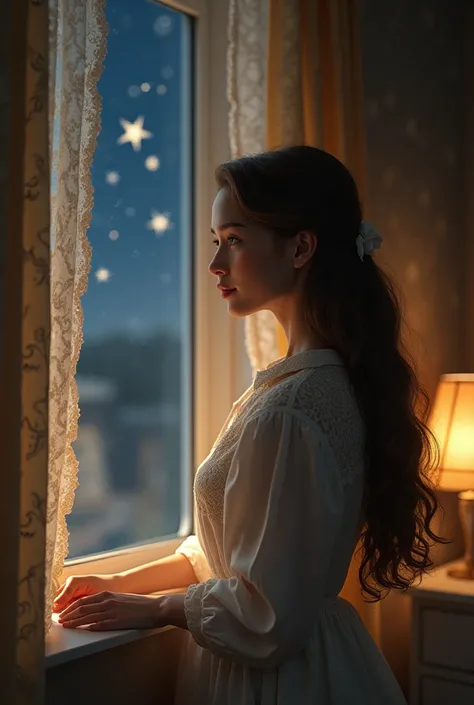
(257, 270)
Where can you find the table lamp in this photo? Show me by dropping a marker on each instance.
(452, 423)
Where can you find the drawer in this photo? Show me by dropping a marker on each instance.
(440, 691)
(447, 639)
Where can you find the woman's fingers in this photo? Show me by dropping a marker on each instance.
(84, 611)
(86, 605)
(94, 609)
(64, 596)
(61, 601)
(108, 610)
(93, 618)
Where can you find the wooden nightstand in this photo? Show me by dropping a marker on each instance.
(442, 659)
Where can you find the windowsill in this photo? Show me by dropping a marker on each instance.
(66, 645)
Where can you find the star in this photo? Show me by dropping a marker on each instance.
(159, 223)
(163, 25)
(103, 274)
(112, 177)
(134, 133)
(152, 163)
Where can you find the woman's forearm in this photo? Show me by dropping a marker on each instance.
(165, 574)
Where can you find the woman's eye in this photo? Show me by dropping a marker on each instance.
(231, 240)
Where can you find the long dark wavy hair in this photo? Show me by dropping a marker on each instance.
(353, 306)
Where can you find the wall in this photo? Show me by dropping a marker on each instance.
(414, 76)
(469, 180)
(414, 113)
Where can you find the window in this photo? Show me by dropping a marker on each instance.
(134, 375)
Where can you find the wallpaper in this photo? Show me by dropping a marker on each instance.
(412, 62)
(414, 88)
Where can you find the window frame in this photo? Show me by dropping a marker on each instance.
(220, 370)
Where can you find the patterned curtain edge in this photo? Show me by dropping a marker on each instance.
(32, 200)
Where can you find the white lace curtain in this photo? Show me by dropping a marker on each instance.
(77, 49)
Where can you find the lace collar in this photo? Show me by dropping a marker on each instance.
(300, 361)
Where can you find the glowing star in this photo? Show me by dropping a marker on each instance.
(112, 178)
(159, 223)
(152, 163)
(103, 274)
(134, 133)
(163, 25)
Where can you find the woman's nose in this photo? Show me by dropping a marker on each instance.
(218, 266)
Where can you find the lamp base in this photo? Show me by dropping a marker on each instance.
(465, 573)
(466, 515)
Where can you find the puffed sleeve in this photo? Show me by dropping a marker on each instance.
(191, 548)
(282, 512)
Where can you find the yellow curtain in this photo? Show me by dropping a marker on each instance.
(314, 83)
(315, 97)
(24, 356)
(314, 79)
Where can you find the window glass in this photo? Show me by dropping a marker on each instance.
(134, 371)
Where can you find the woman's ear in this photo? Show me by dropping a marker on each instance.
(306, 243)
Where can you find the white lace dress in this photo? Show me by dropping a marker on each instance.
(278, 504)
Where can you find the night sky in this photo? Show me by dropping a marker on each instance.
(137, 271)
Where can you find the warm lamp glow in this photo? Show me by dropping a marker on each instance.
(452, 422)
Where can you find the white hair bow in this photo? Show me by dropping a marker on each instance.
(367, 240)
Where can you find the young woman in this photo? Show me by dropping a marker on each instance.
(328, 446)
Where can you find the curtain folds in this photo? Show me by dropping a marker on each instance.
(25, 341)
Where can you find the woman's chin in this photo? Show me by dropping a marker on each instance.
(240, 309)
(237, 311)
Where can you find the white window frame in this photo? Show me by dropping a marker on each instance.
(221, 370)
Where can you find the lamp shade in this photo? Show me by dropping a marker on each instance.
(452, 423)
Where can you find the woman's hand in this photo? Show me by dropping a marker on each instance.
(83, 585)
(110, 610)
